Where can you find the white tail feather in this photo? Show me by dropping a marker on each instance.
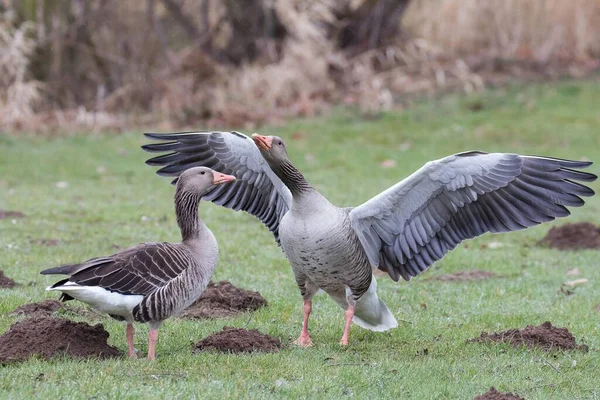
(101, 299)
(371, 313)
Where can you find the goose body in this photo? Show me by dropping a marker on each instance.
(401, 231)
(152, 281)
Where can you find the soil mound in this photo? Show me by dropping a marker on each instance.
(49, 307)
(11, 214)
(5, 281)
(43, 308)
(49, 337)
(493, 394)
(584, 235)
(237, 340)
(221, 300)
(546, 336)
(465, 276)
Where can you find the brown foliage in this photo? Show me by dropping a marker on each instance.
(238, 63)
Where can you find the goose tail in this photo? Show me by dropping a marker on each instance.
(371, 313)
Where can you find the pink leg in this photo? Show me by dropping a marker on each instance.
(129, 330)
(152, 338)
(304, 339)
(349, 314)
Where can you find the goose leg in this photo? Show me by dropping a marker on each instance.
(152, 338)
(349, 315)
(130, 331)
(304, 339)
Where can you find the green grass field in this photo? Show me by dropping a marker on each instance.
(112, 198)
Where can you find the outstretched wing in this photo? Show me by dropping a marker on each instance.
(257, 190)
(139, 270)
(416, 222)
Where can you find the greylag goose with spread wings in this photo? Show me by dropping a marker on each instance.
(402, 231)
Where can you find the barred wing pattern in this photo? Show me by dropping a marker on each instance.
(140, 270)
(408, 227)
(257, 190)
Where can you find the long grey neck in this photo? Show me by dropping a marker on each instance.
(292, 178)
(186, 209)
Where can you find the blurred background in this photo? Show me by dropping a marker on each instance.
(73, 65)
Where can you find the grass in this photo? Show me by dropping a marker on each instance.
(112, 198)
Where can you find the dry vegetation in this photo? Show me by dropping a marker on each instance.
(174, 63)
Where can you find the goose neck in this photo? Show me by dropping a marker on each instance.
(292, 178)
(186, 209)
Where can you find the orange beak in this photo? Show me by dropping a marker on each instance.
(219, 178)
(263, 142)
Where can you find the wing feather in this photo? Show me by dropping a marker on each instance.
(139, 270)
(408, 227)
(257, 190)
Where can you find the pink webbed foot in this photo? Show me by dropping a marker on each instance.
(304, 340)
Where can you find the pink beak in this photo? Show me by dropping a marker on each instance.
(219, 178)
(263, 142)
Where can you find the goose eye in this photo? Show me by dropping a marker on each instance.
(279, 143)
(202, 173)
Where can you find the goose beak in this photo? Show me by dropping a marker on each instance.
(219, 178)
(263, 142)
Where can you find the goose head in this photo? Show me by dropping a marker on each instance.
(200, 180)
(272, 148)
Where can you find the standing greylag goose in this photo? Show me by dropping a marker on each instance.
(151, 281)
(402, 231)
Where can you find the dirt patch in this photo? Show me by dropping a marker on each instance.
(43, 308)
(5, 281)
(46, 242)
(493, 394)
(597, 308)
(49, 307)
(584, 235)
(465, 276)
(49, 337)
(11, 214)
(546, 337)
(238, 340)
(221, 300)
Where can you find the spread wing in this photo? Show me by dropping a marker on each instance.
(139, 270)
(257, 190)
(416, 222)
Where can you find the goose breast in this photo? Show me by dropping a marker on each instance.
(323, 247)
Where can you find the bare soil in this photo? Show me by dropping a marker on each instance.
(48, 337)
(238, 340)
(465, 276)
(43, 308)
(545, 336)
(11, 214)
(583, 235)
(493, 394)
(5, 281)
(221, 300)
(49, 307)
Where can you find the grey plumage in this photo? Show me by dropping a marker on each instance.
(257, 189)
(152, 281)
(406, 228)
(416, 222)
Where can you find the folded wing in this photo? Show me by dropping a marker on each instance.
(137, 271)
(408, 227)
(257, 190)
